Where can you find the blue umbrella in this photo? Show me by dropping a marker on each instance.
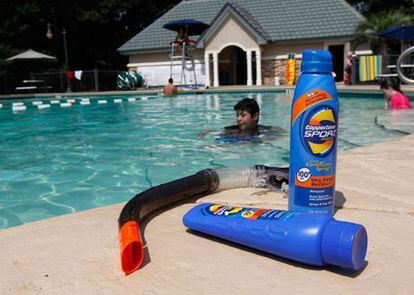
(402, 33)
(190, 26)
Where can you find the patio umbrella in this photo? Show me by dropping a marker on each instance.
(30, 61)
(402, 33)
(31, 54)
(190, 26)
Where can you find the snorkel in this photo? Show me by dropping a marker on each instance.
(136, 212)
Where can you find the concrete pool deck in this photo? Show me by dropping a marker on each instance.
(373, 89)
(79, 253)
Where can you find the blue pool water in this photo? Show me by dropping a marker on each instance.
(61, 160)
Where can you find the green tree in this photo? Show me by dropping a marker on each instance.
(367, 30)
(94, 29)
(369, 7)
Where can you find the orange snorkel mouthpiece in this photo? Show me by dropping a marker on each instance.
(131, 247)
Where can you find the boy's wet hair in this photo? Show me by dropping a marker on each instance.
(394, 84)
(248, 105)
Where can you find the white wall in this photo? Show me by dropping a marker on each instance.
(158, 74)
(230, 32)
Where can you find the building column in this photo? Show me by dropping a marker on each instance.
(249, 68)
(258, 68)
(215, 69)
(207, 67)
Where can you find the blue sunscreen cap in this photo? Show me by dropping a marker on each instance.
(344, 244)
(316, 61)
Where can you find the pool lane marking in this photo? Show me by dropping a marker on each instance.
(20, 106)
(43, 106)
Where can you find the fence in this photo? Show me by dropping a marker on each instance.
(389, 66)
(94, 80)
(386, 70)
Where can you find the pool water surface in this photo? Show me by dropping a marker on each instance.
(60, 160)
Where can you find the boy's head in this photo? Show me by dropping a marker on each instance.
(389, 87)
(170, 80)
(247, 114)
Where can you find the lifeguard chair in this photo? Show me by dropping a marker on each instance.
(181, 51)
(182, 46)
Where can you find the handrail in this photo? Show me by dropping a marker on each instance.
(400, 65)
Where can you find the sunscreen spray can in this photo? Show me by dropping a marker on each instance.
(313, 136)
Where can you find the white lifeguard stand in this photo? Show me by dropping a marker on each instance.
(182, 46)
(181, 51)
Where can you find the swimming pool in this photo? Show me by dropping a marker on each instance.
(60, 160)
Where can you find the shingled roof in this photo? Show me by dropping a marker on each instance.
(276, 20)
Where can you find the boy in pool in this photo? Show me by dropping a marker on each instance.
(248, 127)
(170, 88)
(394, 97)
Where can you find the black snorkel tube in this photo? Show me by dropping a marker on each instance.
(203, 182)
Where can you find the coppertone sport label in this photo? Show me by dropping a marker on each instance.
(319, 131)
(314, 135)
(248, 213)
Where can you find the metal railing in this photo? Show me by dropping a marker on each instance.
(401, 66)
(405, 66)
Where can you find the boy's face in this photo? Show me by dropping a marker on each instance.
(246, 121)
(388, 92)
